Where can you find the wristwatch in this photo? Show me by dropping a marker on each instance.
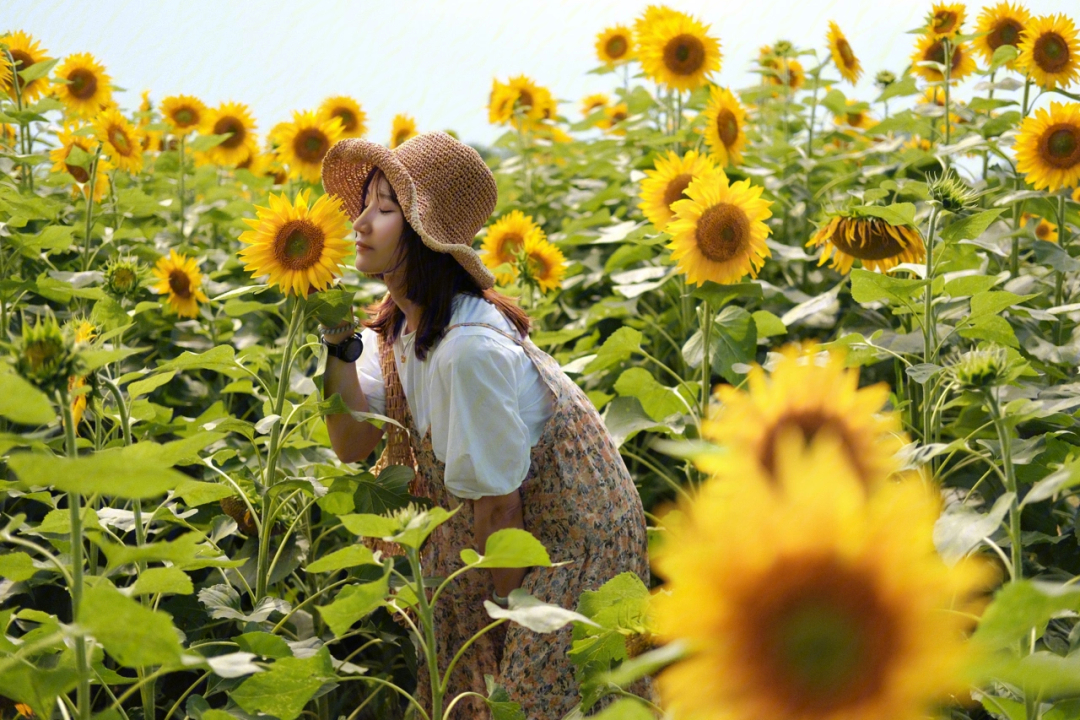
(348, 350)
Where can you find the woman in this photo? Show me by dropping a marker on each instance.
(494, 424)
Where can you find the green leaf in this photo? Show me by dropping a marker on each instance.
(38, 687)
(1002, 55)
(53, 237)
(330, 307)
(38, 70)
(109, 314)
(768, 325)
(385, 493)
(1020, 606)
(620, 607)
(21, 402)
(147, 386)
(969, 285)
(163, 580)
(836, 103)
(993, 302)
(720, 295)
(899, 88)
(284, 689)
(195, 492)
(972, 226)
(131, 634)
(960, 529)
(264, 644)
(353, 603)
(534, 614)
(205, 142)
(221, 359)
(181, 551)
(624, 417)
(17, 566)
(509, 548)
(993, 328)
(368, 525)
(117, 474)
(94, 359)
(895, 214)
(870, 287)
(658, 401)
(347, 557)
(736, 336)
(619, 346)
(1063, 479)
(625, 709)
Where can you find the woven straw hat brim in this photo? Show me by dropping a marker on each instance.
(445, 190)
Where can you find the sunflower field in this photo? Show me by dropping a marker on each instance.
(836, 339)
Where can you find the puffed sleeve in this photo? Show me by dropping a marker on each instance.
(476, 427)
(369, 370)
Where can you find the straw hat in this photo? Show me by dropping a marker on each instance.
(446, 190)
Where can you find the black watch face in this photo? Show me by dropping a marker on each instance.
(352, 348)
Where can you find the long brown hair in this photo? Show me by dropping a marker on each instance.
(432, 279)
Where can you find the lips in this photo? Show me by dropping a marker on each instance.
(362, 246)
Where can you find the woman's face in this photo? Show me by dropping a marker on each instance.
(378, 229)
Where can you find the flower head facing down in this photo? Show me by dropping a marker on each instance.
(1044, 229)
(1048, 147)
(180, 280)
(875, 242)
(403, 128)
(592, 103)
(842, 54)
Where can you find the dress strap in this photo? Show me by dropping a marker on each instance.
(398, 450)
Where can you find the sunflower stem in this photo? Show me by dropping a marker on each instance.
(426, 615)
(24, 128)
(1010, 484)
(990, 96)
(948, 68)
(928, 323)
(90, 208)
(705, 318)
(1059, 285)
(182, 137)
(1027, 91)
(813, 114)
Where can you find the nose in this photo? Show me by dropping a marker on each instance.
(361, 220)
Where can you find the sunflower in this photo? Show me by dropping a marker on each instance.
(945, 20)
(613, 117)
(544, 262)
(846, 62)
(403, 128)
(592, 103)
(679, 53)
(185, 113)
(234, 119)
(69, 139)
(78, 402)
(25, 51)
(668, 182)
(298, 245)
(1044, 229)
(179, 277)
(534, 102)
(809, 396)
(856, 116)
(1000, 25)
(615, 45)
(877, 243)
(847, 612)
(8, 136)
(725, 132)
(120, 140)
(348, 112)
(500, 103)
(146, 109)
(1048, 147)
(87, 88)
(1050, 52)
(305, 141)
(1076, 195)
(782, 70)
(646, 23)
(932, 49)
(505, 240)
(718, 232)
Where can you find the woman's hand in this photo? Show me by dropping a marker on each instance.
(344, 334)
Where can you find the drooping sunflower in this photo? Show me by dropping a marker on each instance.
(305, 141)
(668, 182)
(808, 393)
(1044, 229)
(857, 116)
(402, 128)
(718, 232)
(298, 245)
(544, 262)
(120, 140)
(25, 51)
(875, 242)
(353, 119)
(69, 139)
(505, 240)
(945, 19)
(1048, 147)
(846, 62)
(613, 117)
(846, 613)
(1050, 51)
(932, 49)
(725, 132)
(179, 278)
(185, 113)
(615, 45)
(1002, 24)
(678, 52)
(234, 119)
(592, 103)
(87, 88)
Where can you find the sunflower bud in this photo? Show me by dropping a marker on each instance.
(46, 355)
(951, 193)
(123, 278)
(982, 369)
(884, 79)
(783, 48)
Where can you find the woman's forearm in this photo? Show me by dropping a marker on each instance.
(491, 514)
(351, 439)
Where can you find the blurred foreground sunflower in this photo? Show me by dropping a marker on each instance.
(185, 113)
(121, 141)
(615, 45)
(1048, 147)
(86, 87)
(233, 119)
(305, 141)
(353, 119)
(26, 52)
(725, 132)
(808, 393)
(929, 48)
(298, 245)
(592, 103)
(843, 56)
(1050, 52)
(403, 128)
(875, 242)
(668, 182)
(179, 278)
(1002, 24)
(945, 19)
(505, 240)
(1044, 229)
(718, 232)
(847, 612)
(613, 119)
(69, 139)
(544, 263)
(677, 51)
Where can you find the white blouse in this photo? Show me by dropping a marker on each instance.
(478, 392)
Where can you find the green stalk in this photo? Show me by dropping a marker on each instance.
(928, 323)
(1010, 484)
(182, 137)
(427, 624)
(813, 109)
(82, 668)
(990, 96)
(706, 320)
(1059, 285)
(1027, 90)
(90, 209)
(948, 67)
(24, 128)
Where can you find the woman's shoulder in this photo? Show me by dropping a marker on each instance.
(469, 309)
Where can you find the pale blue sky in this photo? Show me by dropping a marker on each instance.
(433, 60)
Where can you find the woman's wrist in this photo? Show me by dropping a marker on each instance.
(339, 333)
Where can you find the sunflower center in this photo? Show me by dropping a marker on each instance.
(525, 99)
(79, 173)
(124, 279)
(854, 119)
(120, 140)
(185, 117)
(348, 119)
(22, 61)
(944, 21)
(1007, 32)
(310, 145)
(845, 52)
(868, 239)
(230, 125)
(1043, 230)
(538, 266)
(82, 83)
(1060, 145)
(401, 137)
(676, 188)
(727, 126)
(684, 54)
(616, 47)
(618, 116)
(179, 283)
(808, 422)
(299, 245)
(723, 232)
(1051, 52)
(936, 53)
(509, 245)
